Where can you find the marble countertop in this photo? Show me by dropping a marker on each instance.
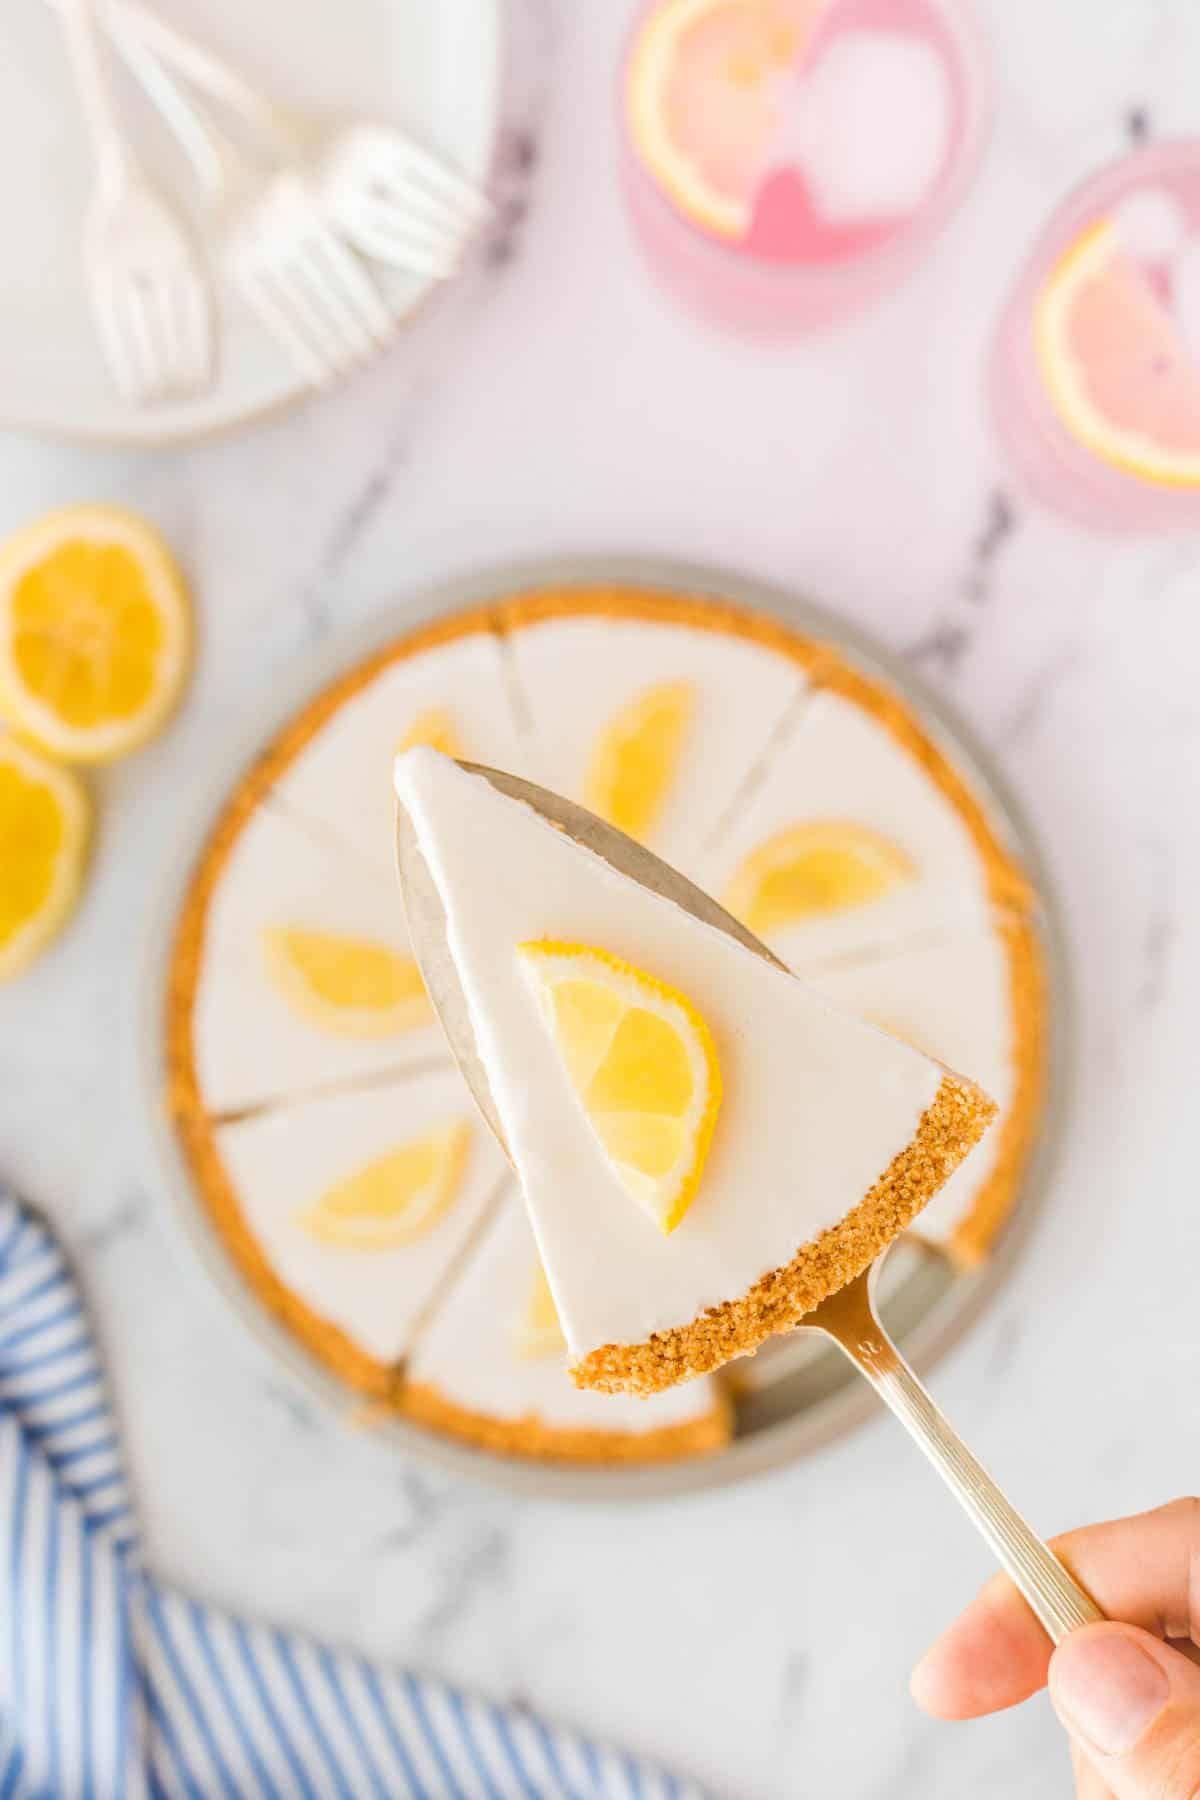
(759, 1637)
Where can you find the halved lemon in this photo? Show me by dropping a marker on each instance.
(95, 632)
(700, 102)
(1117, 369)
(394, 1198)
(538, 1333)
(349, 986)
(824, 866)
(43, 839)
(637, 756)
(436, 728)
(641, 1060)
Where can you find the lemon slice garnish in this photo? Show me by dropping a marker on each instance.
(349, 986)
(699, 99)
(43, 838)
(636, 758)
(643, 1064)
(1117, 368)
(538, 1333)
(94, 632)
(435, 728)
(823, 867)
(396, 1197)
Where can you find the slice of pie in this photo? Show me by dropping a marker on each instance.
(706, 1147)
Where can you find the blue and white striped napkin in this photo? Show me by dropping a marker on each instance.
(114, 1687)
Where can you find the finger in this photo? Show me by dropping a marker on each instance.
(1144, 1570)
(1132, 1705)
(1088, 1785)
(994, 1655)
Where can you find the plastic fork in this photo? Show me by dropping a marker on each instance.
(391, 197)
(398, 202)
(303, 281)
(147, 289)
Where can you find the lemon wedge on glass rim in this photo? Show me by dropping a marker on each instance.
(95, 632)
(1117, 368)
(642, 1063)
(700, 99)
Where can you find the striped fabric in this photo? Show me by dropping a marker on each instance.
(114, 1687)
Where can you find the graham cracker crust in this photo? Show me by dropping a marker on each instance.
(951, 1126)
(532, 1437)
(701, 612)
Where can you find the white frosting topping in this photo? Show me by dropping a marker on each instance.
(342, 779)
(284, 1161)
(251, 1044)
(841, 764)
(469, 1350)
(577, 674)
(816, 1105)
(951, 999)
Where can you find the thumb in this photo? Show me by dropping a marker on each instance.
(1132, 1704)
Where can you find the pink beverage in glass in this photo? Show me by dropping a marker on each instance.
(1095, 376)
(786, 161)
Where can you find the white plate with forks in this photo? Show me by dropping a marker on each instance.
(433, 69)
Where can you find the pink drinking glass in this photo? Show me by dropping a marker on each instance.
(1048, 461)
(791, 282)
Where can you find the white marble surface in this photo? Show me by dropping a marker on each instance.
(759, 1637)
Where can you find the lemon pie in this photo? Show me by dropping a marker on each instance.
(295, 1010)
(800, 1140)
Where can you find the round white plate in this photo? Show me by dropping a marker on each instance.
(432, 66)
